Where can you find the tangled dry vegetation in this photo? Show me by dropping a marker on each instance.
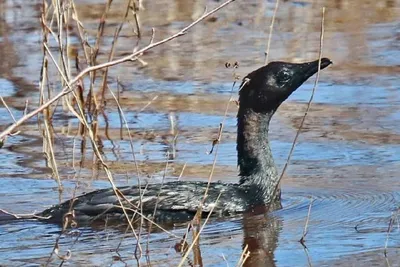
(76, 81)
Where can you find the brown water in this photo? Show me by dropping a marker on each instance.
(347, 157)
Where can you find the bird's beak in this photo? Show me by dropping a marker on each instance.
(311, 68)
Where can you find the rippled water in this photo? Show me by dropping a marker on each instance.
(346, 159)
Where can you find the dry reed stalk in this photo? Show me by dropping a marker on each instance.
(183, 169)
(100, 30)
(93, 59)
(47, 133)
(387, 262)
(83, 38)
(7, 108)
(271, 28)
(122, 116)
(135, 210)
(135, 12)
(81, 117)
(305, 230)
(388, 234)
(135, 162)
(244, 256)
(158, 198)
(48, 149)
(309, 102)
(61, 14)
(198, 234)
(198, 216)
(197, 259)
(308, 256)
(184, 240)
(56, 249)
(218, 139)
(111, 54)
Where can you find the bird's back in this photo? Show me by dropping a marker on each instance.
(173, 201)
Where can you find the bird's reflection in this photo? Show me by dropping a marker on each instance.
(260, 235)
(260, 231)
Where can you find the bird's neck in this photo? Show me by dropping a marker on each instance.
(255, 160)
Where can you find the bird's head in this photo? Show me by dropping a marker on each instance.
(265, 89)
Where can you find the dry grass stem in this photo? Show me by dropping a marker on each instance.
(198, 234)
(216, 143)
(8, 109)
(135, 11)
(129, 132)
(271, 28)
(96, 149)
(390, 226)
(244, 256)
(305, 231)
(308, 256)
(148, 103)
(309, 102)
(48, 147)
(183, 169)
(218, 139)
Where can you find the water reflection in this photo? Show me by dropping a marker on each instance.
(261, 234)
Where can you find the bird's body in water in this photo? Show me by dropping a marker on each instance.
(261, 93)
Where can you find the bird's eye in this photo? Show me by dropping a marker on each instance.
(283, 77)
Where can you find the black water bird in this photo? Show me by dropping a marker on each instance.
(262, 92)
